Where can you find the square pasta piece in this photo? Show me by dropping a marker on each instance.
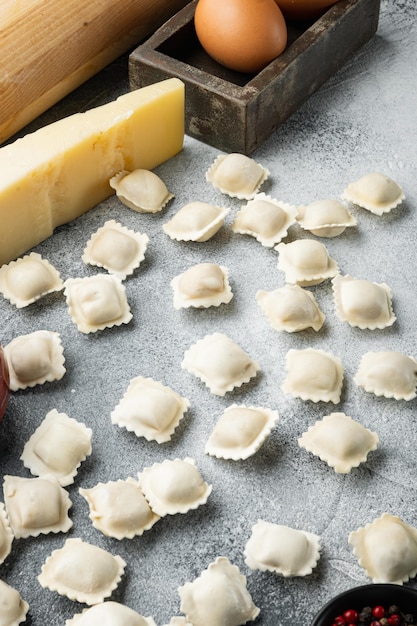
(374, 192)
(35, 359)
(116, 248)
(119, 509)
(220, 363)
(64, 571)
(97, 302)
(196, 221)
(218, 596)
(305, 262)
(237, 175)
(340, 441)
(6, 535)
(202, 286)
(313, 375)
(13, 608)
(58, 447)
(141, 190)
(386, 549)
(110, 614)
(282, 550)
(388, 373)
(150, 409)
(265, 219)
(240, 432)
(174, 486)
(28, 279)
(291, 309)
(362, 303)
(36, 506)
(325, 218)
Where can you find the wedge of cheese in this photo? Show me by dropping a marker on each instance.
(59, 172)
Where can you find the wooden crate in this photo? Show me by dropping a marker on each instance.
(236, 112)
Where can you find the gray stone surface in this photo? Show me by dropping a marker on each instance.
(362, 120)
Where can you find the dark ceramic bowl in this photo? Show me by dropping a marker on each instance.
(4, 384)
(368, 595)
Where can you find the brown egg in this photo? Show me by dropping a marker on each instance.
(243, 35)
(303, 9)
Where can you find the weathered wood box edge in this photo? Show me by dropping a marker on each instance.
(236, 112)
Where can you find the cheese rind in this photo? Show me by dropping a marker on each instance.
(59, 172)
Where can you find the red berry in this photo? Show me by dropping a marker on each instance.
(339, 620)
(394, 620)
(375, 623)
(351, 616)
(378, 611)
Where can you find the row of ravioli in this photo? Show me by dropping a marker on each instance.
(306, 262)
(222, 365)
(265, 218)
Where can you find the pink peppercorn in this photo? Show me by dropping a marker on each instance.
(351, 616)
(378, 612)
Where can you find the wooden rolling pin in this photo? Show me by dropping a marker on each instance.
(49, 47)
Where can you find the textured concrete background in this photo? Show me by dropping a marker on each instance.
(362, 120)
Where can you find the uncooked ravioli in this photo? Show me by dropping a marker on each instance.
(387, 549)
(362, 303)
(119, 509)
(64, 571)
(240, 431)
(265, 219)
(305, 262)
(342, 442)
(196, 221)
(237, 175)
(28, 279)
(218, 596)
(282, 550)
(220, 363)
(116, 248)
(174, 486)
(34, 359)
(201, 286)
(57, 447)
(314, 375)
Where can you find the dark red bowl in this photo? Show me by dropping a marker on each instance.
(4, 384)
(368, 595)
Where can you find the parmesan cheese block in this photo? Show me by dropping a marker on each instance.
(59, 172)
